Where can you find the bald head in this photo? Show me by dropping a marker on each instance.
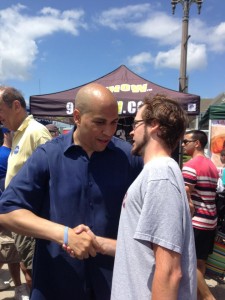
(96, 118)
(92, 95)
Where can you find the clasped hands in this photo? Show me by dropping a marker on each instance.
(82, 243)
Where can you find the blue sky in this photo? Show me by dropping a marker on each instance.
(53, 45)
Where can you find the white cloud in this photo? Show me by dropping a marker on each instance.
(142, 20)
(139, 61)
(117, 18)
(197, 58)
(159, 27)
(169, 59)
(212, 37)
(50, 11)
(165, 30)
(216, 38)
(19, 34)
(140, 58)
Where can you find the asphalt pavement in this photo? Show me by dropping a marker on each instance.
(5, 275)
(217, 289)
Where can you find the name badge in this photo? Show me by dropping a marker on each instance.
(16, 150)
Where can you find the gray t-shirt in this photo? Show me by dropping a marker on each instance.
(155, 210)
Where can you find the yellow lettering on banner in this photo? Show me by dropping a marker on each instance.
(120, 107)
(125, 87)
(114, 88)
(139, 88)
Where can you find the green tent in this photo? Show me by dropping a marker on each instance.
(214, 112)
(214, 121)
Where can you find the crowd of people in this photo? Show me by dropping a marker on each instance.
(94, 217)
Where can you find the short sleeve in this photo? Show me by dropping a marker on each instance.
(160, 221)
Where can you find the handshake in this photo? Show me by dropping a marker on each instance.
(82, 243)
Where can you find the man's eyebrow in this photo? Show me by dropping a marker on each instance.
(99, 119)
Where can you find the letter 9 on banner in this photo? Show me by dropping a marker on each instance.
(69, 108)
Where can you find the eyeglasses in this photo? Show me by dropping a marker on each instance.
(136, 122)
(188, 141)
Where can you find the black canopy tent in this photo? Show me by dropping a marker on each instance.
(128, 88)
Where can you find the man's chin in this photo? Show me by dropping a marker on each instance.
(101, 148)
(135, 151)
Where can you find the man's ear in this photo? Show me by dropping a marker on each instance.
(16, 105)
(198, 145)
(154, 125)
(76, 116)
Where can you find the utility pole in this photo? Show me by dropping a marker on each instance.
(183, 82)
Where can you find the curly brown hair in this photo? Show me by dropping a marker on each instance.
(170, 116)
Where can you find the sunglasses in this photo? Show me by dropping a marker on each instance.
(185, 142)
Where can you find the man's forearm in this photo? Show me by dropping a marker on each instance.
(167, 274)
(107, 246)
(24, 222)
(165, 287)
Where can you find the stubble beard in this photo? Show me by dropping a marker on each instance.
(140, 148)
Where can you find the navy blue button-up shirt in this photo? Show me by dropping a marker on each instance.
(61, 183)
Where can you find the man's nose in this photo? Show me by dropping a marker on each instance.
(109, 130)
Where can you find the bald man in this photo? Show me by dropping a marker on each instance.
(77, 178)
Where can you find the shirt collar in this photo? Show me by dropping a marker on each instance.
(25, 123)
